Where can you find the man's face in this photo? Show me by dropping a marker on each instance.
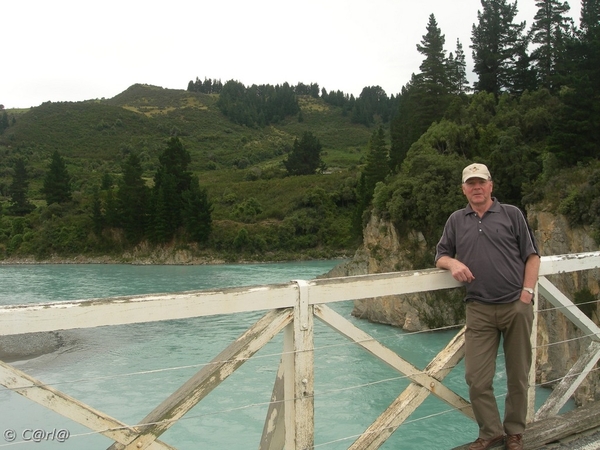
(478, 191)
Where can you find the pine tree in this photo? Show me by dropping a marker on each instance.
(457, 71)
(197, 212)
(407, 126)
(426, 97)
(576, 130)
(305, 157)
(170, 181)
(19, 203)
(57, 183)
(132, 200)
(495, 44)
(433, 76)
(378, 165)
(551, 31)
(589, 37)
(376, 170)
(432, 85)
(524, 74)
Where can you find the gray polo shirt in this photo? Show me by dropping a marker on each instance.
(495, 249)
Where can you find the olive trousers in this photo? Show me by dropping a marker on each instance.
(486, 324)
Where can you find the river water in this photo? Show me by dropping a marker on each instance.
(126, 371)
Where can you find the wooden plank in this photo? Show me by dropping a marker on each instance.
(568, 308)
(303, 375)
(572, 262)
(370, 344)
(69, 407)
(289, 385)
(552, 429)
(408, 401)
(533, 367)
(19, 319)
(570, 382)
(208, 378)
(273, 435)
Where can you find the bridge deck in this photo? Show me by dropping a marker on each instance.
(546, 433)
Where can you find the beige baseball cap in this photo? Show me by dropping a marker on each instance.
(476, 170)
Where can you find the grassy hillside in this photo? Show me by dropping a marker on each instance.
(236, 164)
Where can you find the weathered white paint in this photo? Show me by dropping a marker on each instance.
(301, 436)
(273, 435)
(532, 369)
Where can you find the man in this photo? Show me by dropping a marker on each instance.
(489, 247)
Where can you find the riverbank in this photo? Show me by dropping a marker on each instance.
(170, 256)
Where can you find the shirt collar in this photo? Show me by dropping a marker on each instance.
(494, 208)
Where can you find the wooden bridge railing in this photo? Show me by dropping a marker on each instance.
(291, 308)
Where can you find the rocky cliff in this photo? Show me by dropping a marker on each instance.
(559, 342)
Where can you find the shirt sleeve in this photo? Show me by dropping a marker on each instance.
(527, 244)
(447, 243)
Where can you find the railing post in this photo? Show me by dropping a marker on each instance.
(532, 370)
(299, 374)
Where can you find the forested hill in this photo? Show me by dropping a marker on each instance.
(257, 210)
(271, 172)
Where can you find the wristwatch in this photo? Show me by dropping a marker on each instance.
(531, 291)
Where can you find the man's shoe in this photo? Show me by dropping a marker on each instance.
(514, 442)
(484, 444)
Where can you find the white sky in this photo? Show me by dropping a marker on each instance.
(74, 50)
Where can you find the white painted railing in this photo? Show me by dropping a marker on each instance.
(291, 308)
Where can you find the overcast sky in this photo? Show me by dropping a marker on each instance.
(66, 50)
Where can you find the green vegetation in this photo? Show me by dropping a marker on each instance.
(235, 183)
(280, 172)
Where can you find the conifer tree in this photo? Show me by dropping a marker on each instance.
(132, 200)
(378, 166)
(19, 203)
(197, 211)
(305, 157)
(433, 76)
(589, 37)
(376, 169)
(551, 31)
(576, 131)
(432, 86)
(457, 71)
(495, 43)
(170, 181)
(57, 183)
(425, 98)
(407, 126)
